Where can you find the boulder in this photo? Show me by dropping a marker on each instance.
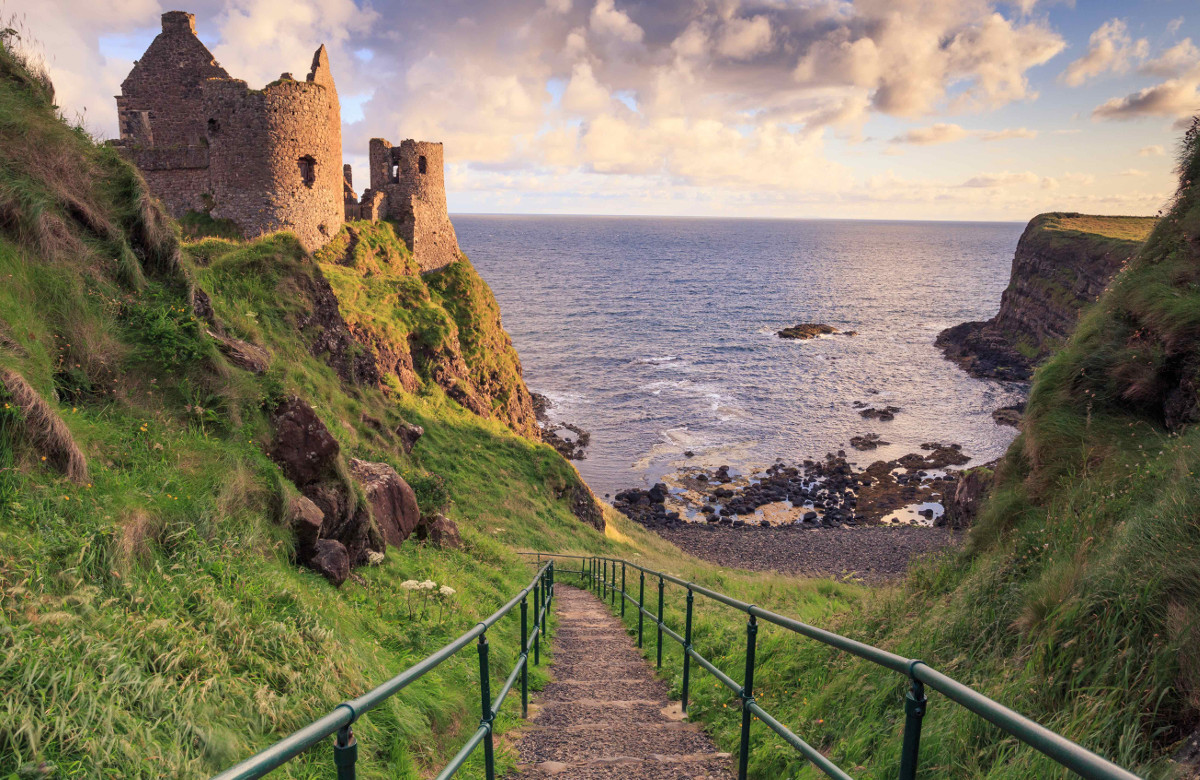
(439, 531)
(393, 502)
(409, 434)
(305, 519)
(302, 446)
(331, 560)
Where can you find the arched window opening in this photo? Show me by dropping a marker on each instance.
(421, 164)
(395, 173)
(214, 127)
(308, 170)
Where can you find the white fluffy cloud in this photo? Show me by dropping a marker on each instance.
(1110, 49)
(940, 133)
(1176, 98)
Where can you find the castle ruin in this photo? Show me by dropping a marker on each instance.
(270, 159)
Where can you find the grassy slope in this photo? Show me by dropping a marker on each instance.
(1135, 229)
(151, 620)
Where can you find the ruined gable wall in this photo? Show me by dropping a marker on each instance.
(159, 103)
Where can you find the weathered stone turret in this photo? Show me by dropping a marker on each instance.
(270, 159)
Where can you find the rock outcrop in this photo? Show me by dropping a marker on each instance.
(393, 502)
(1063, 262)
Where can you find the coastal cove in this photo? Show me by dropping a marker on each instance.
(684, 357)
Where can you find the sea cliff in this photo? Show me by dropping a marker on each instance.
(1063, 262)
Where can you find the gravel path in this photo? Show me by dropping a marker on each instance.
(605, 716)
(870, 553)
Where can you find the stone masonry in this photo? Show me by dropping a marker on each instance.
(269, 159)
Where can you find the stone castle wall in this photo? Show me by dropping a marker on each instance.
(276, 155)
(270, 159)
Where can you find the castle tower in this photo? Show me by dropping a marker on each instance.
(267, 160)
(412, 179)
(276, 154)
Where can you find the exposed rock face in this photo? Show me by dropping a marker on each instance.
(440, 531)
(409, 435)
(393, 502)
(302, 445)
(243, 354)
(309, 456)
(329, 337)
(1062, 262)
(968, 496)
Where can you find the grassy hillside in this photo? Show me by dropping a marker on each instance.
(152, 617)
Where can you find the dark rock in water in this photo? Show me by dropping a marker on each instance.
(331, 560)
(689, 454)
(571, 448)
(806, 330)
(867, 441)
(1009, 415)
(658, 493)
(885, 413)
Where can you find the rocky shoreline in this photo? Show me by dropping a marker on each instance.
(827, 517)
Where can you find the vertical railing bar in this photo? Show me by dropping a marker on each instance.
(524, 658)
(914, 712)
(622, 588)
(537, 623)
(641, 602)
(687, 645)
(345, 753)
(485, 687)
(747, 696)
(660, 620)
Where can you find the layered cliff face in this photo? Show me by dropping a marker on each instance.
(442, 327)
(1063, 262)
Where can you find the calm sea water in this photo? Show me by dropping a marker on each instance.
(658, 335)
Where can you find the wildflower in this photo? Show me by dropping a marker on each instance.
(374, 558)
(446, 591)
(410, 585)
(429, 585)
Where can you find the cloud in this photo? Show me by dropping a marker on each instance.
(940, 133)
(742, 39)
(1004, 135)
(1176, 98)
(1132, 172)
(606, 19)
(1005, 179)
(1174, 61)
(1156, 150)
(1110, 49)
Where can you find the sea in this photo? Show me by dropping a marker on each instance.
(658, 335)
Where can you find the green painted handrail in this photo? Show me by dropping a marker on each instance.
(601, 573)
(339, 721)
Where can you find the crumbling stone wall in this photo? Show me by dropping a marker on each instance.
(267, 159)
(411, 177)
(275, 159)
(270, 159)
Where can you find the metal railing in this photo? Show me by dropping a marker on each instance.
(342, 718)
(601, 574)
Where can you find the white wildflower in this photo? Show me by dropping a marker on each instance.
(374, 558)
(429, 585)
(446, 591)
(410, 585)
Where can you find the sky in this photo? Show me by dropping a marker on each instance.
(871, 109)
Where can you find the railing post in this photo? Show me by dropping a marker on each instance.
(622, 588)
(524, 658)
(604, 579)
(660, 615)
(345, 753)
(537, 624)
(914, 711)
(641, 603)
(687, 646)
(614, 583)
(485, 690)
(747, 696)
